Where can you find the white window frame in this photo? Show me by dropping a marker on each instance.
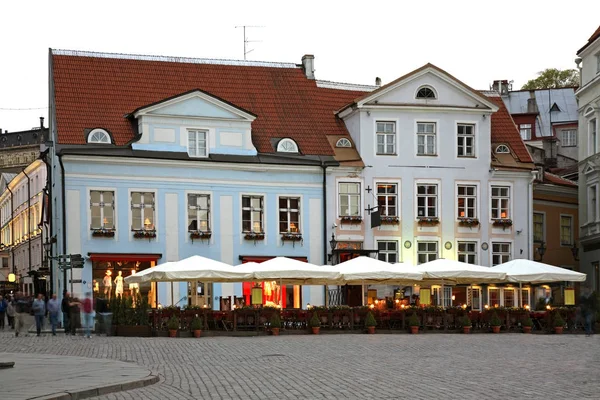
(426, 98)
(197, 132)
(467, 252)
(101, 204)
(384, 211)
(426, 196)
(93, 136)
(543, 223)
(142, 205)
(197, 210)
(343, 143)
(287, 145)
(427, 252)
(288, 212)
(499, 291)
(569, 138)
(478, 306)
(349, 195)
(466, 138)
(514, 294)
(427, 136)
(436, 291)
(525, 298)
(466, 197)
(252, 209)
(593, 136)
(527, 129)
(387, 251)
(570, 226)
(501, 253)
(496, 212)
(592, 211)
(385, 135)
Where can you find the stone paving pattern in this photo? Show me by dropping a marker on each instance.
(346, 366)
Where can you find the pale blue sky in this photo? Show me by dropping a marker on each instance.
(476, 41)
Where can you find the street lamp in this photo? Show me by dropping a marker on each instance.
(542, 250)
(333, 244)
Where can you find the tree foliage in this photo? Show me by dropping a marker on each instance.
(553, 78)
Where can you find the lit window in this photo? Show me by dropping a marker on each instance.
(500, 253)
(426, 93)
(289, 215)
(287, 146)
(569, 138)
(102, 208)
(566, 230)
(99, 136)
(467, 252)
(198, 212)
(525, 130)
(386, 138)
(494, 297)
(387, 199)
(509, 297)
(427, 201)
(197, 143)
(467, 201)
(426, 251)
(349, 199)
(500, 202)
(388, 251)
(252, 214)
(426, 139)
(142, 211)
(343, 142)
(538, 227)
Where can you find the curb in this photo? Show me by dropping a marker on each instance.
(99, 391)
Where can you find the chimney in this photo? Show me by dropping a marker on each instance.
(532, 107)
(308, 65)
(501, 86)
(377, 81)
(41, 122)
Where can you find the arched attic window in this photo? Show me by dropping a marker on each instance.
(426, 92)
(502, 149)
(343, 142)
(287, 146)
(99, 136)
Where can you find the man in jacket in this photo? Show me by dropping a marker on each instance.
(64, 307)
(53, 312)
(3, 307)
(39, 310)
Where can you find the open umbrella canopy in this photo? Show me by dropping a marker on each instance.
(459, 272)
(367, 270)
(290, 271)
(195, 268)
(527, 271)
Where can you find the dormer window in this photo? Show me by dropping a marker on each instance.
(343, 142)
(99, 136)
(287, 146)
(426, 92)
(502, 149)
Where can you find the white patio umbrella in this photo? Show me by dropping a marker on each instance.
(367, 270)
(527, 271)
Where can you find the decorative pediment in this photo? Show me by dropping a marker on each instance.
(589, 168)
(196, 104)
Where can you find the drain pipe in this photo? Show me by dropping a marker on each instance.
(29, 218)
(12, 229)
(324, 167)
(64, 218)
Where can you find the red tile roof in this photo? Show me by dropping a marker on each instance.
(557, 180)
(98, 91)
(591, 40)
(505, 131)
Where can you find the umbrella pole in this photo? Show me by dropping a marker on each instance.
(196, 289)
(520, 295)
(362, 288)
(442, 294)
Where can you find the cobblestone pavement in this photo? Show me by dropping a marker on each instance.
(347, 366)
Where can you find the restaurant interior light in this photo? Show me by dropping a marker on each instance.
(12, 277)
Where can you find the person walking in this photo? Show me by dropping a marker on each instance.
(3, 306)
(64, 307)
(588, 307)
(74, 316)
(10, 313)
(87, 308)
(39, 310)
(53, 312)
(20, 305)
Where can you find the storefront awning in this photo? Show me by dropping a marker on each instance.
(124, 257)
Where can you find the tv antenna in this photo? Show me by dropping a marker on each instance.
(246, 41)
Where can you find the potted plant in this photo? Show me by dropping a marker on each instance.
(495, 323)
(275, 323)
(466, 324)
(196, 326)
(173, 326)
(370, 323)
(413, 322)
(559, 323)
(527, 324)
(315, 323)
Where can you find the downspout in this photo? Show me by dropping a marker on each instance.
(530, 215)
(64, 217)
(29, 217)
(48, 189)
(12, 229)
(326, 287)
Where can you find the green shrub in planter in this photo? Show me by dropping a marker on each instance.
(315, 322)
(370, 320)
(466, 321)
(495, 320)
(173, 323)
(558, 320)
(196, 324)
(275, 320)
(413, 320)
(527, 322)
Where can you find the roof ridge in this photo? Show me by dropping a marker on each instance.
(560, 177)
(325, 84)
(187, 60)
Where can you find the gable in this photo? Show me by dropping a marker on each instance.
(589, 168)
(195, 107)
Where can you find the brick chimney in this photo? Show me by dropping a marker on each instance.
(377, 81)
(308, 65)
(501, 86)
(532, 107)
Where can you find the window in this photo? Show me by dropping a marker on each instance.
(593, 137)
(425, 92)
(598, 63)
(500, 253)
(509, 297)
(387, 199)
(386, 137)
(197, 143)
(426, 251)
(538, 227)
(427, 201)
(343, 142)
(388, 251)
(474, 297)
(99, 136)
(426, 138)
(102, 207)
(446, 301)
(566, 230)
(466, 140)
(494, 297)
(524, 297)
(349, 199)
(467, 201)
(142, 211)
(500, 202)
(467, 252)
(569, 138)
(525, 130)
(252, 214)
(592, 206)
(198, 212)
(287, 146)
(289, 214)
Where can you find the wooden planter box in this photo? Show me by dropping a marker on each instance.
(133, 331)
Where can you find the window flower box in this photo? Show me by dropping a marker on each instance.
(291, 237)
(470, 222)
(428, 220)
(200, 235)
(149, 234)
(390, 220)
(502, 222)
(254, 236)
(103, 232)
(353, 219)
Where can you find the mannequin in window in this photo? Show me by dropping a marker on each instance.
(119, 284)
(133, 287)
(107, 283)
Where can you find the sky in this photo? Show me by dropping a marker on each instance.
(352, 41)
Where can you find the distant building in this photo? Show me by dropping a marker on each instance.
(19, 149)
